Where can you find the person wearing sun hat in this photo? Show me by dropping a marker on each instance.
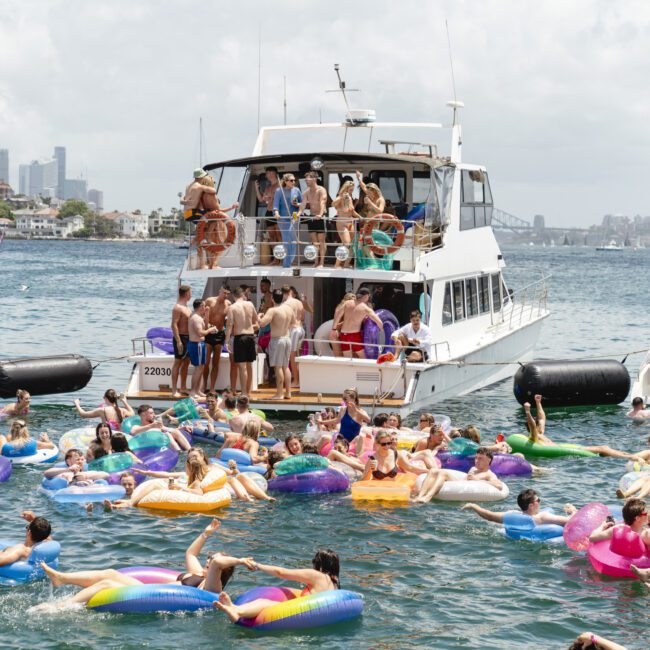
(192, 199)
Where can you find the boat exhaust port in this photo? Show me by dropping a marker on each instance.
(573, 383)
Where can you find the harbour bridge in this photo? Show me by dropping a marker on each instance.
(502, 220)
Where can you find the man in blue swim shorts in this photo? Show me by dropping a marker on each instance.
(196, 346)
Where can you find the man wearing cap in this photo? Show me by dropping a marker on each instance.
(350, 321)
(193, 193)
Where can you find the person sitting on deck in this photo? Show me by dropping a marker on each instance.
(413, 339)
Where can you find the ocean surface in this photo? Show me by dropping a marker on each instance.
(432, 576)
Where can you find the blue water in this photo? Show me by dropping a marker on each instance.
(432, 576)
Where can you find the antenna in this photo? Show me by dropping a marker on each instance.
(200, 142)
(259, 74)
(285, 100)
(342, 88)
(455, 104)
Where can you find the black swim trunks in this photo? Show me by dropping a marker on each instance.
(270, 223)
(316, 225)
(244, 350)
(217, 338)
(185, 339)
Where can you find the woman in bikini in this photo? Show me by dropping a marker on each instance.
(324, 576)
(19, 407)
(211, 576)
(345, 216)
(110, 411)
(19, 436)
(247, 441)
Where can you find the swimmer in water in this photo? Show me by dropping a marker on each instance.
(38, 529)
(324, 576)
(20, 406)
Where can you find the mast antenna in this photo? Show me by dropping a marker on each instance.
(285, 100)
(455, 104)
(200, 142)
(259, 75)
(343, 89)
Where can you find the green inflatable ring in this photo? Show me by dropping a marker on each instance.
(152, 439)
(300, 464)
(520, 444)
(112, 463)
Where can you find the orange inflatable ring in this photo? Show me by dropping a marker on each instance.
(210, 230)
(377, 221)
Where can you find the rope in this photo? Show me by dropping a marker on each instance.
(100, 361)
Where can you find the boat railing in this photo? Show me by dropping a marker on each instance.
(253, 242)
(319, 352)
(525, 304)
(142, 346)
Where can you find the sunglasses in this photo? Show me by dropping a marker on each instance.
(385, 444)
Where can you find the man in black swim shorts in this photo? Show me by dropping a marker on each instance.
(316, 197)
(242, 322)
(216, 315)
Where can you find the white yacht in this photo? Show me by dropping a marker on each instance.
(449, 265)
(611, 247)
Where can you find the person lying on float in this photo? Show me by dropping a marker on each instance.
(38, 529)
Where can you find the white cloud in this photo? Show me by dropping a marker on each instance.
(556, 92)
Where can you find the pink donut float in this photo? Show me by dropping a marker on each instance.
(613, 557)
(582, 524)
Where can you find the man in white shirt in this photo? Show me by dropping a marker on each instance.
(414, 339)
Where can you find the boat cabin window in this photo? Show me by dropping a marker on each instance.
(447, 317)
(484, 294)
(459, 300)
(476, 205)
(496, 291)
(470, 297)
(392, 184)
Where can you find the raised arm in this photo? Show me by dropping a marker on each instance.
(541, 416)
(373, 316)
(306, 576)
(488, 515)
(192, 562)
(95, 413)
(532, 425)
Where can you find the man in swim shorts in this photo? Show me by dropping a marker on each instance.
(38, 529)
(528, 502)
(350, 321)
(215, 315)
(315, 197)
(272, 183)
(297, 329)
(638, 409)
(280, 317)
(242, 322)
(196, 346)
(180, 333)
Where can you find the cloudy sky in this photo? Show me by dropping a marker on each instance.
(556, 92)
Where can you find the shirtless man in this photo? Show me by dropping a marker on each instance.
(37, 530)
(149, 421)
(196, 346)
(242, 322)
(316, 197)
(239, 421)
(266, 301)
(297, 330)
(639, 411)
(215, 315)
(280, 317)
(181, 335)
(351, 319)
(193, 194)
(270, 224)
(528, 502)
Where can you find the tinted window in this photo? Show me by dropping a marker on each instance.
(459, 300)
(472, 297)
(446, 306)
(496, 292)
(422, 189)
(484, 294)
(391, 183)
(466, 218)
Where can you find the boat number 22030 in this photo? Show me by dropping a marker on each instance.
(157, 370)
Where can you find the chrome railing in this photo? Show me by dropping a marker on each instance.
(525, 304)
(257, 243)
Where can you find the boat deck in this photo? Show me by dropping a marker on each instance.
(261, 398)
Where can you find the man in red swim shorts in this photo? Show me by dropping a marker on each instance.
(351, 319)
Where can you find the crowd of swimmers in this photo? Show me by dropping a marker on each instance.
(369, 447)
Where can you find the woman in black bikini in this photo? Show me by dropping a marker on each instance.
(213, 576)
(384, 463)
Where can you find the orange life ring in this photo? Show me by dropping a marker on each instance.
(209, 232)
(376, 221)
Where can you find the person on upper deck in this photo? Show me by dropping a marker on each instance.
(267, 197)
(285, 202)
(315, 197)
(345, 216)
(350, 320)
(193, 194)
(414, 339)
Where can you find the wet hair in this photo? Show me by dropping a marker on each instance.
(273, 458)
(471, 433)
(100, 426)
(111, 397)
(143, 408)
(40, 529)
(230, 403)
(21, 394)
(243, 401)
(19, 432)
(309, 448)
(197, 303)
(637, 401)
(119, 442)
(327, 562)
(380, 419)
(69, 453)
(184, 289)
(277, 296)
(251, 430)
(484, 451)
(398, 416)
(632, 509)
(293, 436)
(226, 574)
(525, 498)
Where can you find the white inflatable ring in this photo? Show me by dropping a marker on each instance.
(468, 490)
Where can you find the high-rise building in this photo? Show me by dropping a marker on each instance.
(75, 189)
(4, 166)
(96, 197)
(59, 154)
(38, 178)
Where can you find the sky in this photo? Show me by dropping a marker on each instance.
(556, 93)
